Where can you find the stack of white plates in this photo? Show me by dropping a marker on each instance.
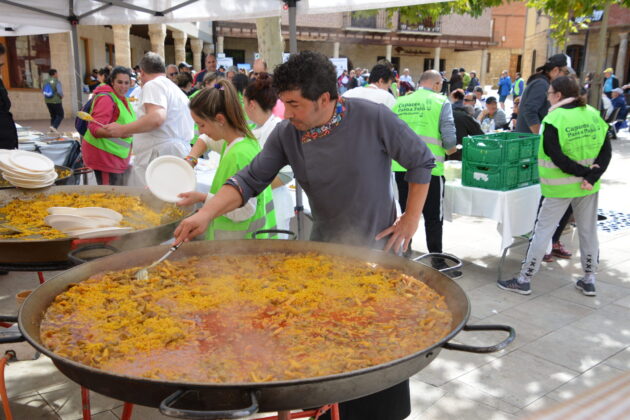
(27, 169)
(86, 222)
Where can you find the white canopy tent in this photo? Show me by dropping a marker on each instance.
(29, 17)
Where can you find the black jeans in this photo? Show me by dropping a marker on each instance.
(56, 114)
(109, 178)
(432, 211)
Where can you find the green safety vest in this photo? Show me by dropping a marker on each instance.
(581, 132)
(421, 111)
(55, 99)
(232, 161)
(116, 146)
(517, 90)
(195, 127)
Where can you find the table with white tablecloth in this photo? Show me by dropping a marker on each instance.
(513, 210)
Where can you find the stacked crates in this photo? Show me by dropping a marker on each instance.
(500, 161)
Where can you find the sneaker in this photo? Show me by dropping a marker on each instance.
(587, 289)
(548, 258)
(558, 250)
(513, 285)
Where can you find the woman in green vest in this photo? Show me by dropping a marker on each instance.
(218, 114)
(572, 156)
(109, 157)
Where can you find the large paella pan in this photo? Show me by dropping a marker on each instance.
(195, 399)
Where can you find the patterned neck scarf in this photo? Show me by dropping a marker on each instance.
(326, 129)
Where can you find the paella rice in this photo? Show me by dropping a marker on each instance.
(246, 318)
(27, 215)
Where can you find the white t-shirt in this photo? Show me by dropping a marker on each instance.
(262, 133)
(372, 93)
(178, 125)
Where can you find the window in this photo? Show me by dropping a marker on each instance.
(28, 61)
(533, 62)
(488, 63)
(109, 54)
(238, 56)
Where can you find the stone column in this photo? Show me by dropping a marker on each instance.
(388, 52)
(207, 48)
(436, 59)
(122, 47)
(270, 43)
(157, 34)
(196, 45)
(620, 69)
(180, 39)
(220, 44)
(336, 46)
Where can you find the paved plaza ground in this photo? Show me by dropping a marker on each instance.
(566, 342)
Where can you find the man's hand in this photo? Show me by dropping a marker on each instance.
(190, 198)
(586, 185)
(115, 130)
(191, 227)
(401, 233)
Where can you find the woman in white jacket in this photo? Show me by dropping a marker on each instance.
(259, 98)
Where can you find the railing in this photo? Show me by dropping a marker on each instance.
(426, 26)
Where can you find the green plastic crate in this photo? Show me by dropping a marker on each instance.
(500, 177)
(500, 148)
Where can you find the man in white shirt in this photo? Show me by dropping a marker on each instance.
(406, 77)
(380, 80)
(164, 125)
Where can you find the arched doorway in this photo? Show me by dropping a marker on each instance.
(576, 52)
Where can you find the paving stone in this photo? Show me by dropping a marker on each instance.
(423, 395)
(525, 333)
(625, 302)
(105, 415)
(25, 378)
(452, 407)
(620, 360)
(591, 378)
(549, 312)
(66, 401)
(606, 293)
(462, 390)
(518, 378)
(490, 300)
(451, 364)
(141, 412)
(611, 322)
(571, 347)
(30, 408)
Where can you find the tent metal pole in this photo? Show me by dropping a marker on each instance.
(74, 35)
(78, 81)
(299, 206)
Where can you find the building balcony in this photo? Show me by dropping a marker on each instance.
(428, 26)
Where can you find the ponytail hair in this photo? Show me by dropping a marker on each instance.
(261, 91)
(221, 98)
(568, 88)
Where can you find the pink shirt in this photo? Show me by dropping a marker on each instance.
(278, 110)
(104, 111)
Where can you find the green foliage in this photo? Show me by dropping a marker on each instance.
(569, 16)
(563, 13)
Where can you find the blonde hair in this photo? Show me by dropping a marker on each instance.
(221, 98)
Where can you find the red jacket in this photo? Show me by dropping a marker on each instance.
(104, 111)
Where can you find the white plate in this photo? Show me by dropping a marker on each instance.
(5, 163)
(72, 222)
(168, 176)
(101, 233)
(34, 162)
(30, 185)
(39, 178)
(88, 212)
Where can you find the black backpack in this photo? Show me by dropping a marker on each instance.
(82, 125)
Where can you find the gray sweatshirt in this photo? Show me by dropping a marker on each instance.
(534, 105)
(346, 174)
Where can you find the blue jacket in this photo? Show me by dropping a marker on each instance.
(505, 86)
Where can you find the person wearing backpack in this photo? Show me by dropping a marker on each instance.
(109, 156)
(53, 94)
